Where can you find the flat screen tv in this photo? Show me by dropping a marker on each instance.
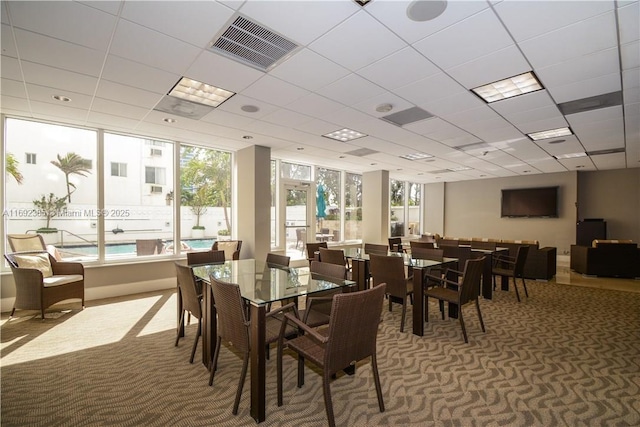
(530, 202)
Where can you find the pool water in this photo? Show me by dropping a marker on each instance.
(130, 248)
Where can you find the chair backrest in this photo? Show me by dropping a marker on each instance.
(461, 252)
(373, 248)
(149, 246)
(231, 248)
(325, 269)
(427, 253)
(470, 287)
(301, 234)
(26, 242)
(233, 325)
(324, 231)
(448, 242)
(188, 290)
(39, 260)
(389, 270)
(479, 244)
(421, 244)
(205, 257)
(395, 244)
(351, 312)
(333, 256)
(521, 258)
(312, 248)
(278, 260)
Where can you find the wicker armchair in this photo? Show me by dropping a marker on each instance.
(390, 270)
(191, 302)
(458, 293)
(350, 337)
(513, 267)
(41, 281)
(233, 327)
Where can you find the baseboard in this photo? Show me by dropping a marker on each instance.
(101, 292)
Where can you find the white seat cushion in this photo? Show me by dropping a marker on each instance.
(228, 247)
(62, 279)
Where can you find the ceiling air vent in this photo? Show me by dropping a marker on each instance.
(360, 152)
(608, 151)
(407, 116)
(591, 103)
(252, 44)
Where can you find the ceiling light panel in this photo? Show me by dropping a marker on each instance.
(201, 93)
(508, 88)
(570, 156)
(344, 135)
(552, 133)
(416, 156)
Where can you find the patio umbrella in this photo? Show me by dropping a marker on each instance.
(321, 205)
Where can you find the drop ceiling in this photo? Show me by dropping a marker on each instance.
(117, 61)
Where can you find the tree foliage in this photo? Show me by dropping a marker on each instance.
(51, 206)
(11, 164)
(72, 164)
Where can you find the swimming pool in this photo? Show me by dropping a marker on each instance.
(130, 248)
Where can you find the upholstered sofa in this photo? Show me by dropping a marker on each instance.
(608, 258)
(540, 263)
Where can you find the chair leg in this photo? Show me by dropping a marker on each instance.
(464, 329)
(441, 304)
(243, 375)
(376, 380)
(326, 380)
(179, 328)
(214, 365)
(404, 312)
(389, 303)
(426, 308)
(480, 315)
(42, 312)
(279, 371)
(524, 285)
(515, 285)
(195, 342)
(300, 371)
(13, 311)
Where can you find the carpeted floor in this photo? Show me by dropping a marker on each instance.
(566, 356)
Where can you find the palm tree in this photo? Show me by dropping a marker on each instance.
(12, 168)
(70, 164)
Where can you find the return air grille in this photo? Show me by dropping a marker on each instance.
(252, 44)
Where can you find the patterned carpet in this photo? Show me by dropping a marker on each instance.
(566, 356)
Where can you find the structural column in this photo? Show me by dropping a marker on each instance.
(375, 207)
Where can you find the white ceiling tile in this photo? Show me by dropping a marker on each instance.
(309, 70)
(59, 79)
(586, 88)
(314, 105)
(593, 116)
(430, 89)
(630, 78)
(10, 68)
(351, 89)
(547, 15)
(580, 164)
(45, 94)
(236, 102)
(13, 88)
(346, 45)
(83, 25)
(526, 102)
(225, 118)
(632, 95)
(152, 48)
(194, 22)
(466, 40)
(127, 94)
(317, 127)
(480, 114)
(570, 145)
(222, 72)
(304, 21)
(274, 91)
(572, 41)
(347, 117)
(610, 161)
(583, 68)
(110, 6)
(389, 74)
(497, 134)
(286, 118)
(138, 75)
(553, 121)
(629, 23)
(59, 54)
(13, 105)
(495, 66)
(630, 55)
(394, 15)
(58, 111)
(8, 42)
(369, 105)
(119, 109)
(459, 101)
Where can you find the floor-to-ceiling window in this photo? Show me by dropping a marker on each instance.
(353, 206)
(51, 185)
(413, 208)
(397, 208)
(329, 189)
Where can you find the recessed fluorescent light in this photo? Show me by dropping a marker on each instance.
(570, 156)
(201, 93)
(344, 135)
(508, 88)
(416, 156)
(460, 169)
(552, 133)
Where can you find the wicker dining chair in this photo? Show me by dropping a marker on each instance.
(460, 293)
(390, 270)
(350, 337)
(318, 306)
(312, 248)
(278, 260)
(205, 257)
(191, 302)
(374, 248)
(233, 328)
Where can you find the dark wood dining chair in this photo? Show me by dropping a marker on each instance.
(511, 267)
(460, 293)
(339, 347)
(390, 270)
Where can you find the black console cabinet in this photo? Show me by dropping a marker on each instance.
(590, 229)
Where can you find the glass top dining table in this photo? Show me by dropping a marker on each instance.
(260, 284)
